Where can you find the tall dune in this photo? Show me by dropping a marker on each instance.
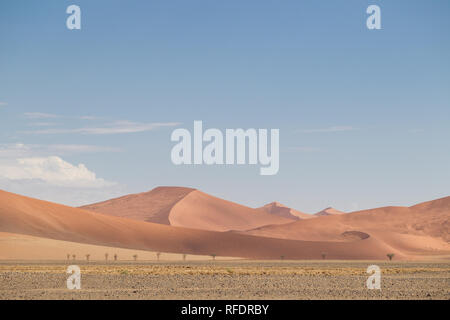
(190, 208)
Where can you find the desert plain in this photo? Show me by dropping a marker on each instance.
(223, 279)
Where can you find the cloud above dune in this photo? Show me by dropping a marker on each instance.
(52, 171)
(53, 179)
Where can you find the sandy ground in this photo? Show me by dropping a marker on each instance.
(226, 280)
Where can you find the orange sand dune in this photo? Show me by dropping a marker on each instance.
(281, 210)
(189, 208)
(23, 215)
(416, 230)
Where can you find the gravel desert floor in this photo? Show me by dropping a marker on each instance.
(240, 279)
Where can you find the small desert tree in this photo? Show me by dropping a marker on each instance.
(158, 254)
(214, 256)
(87, 257)
(74, 257)
(282, 257)
(115, 257)
(184, 257)
(324, 255)
(135, 257)
(68, 256)
(106, 256)
(390, 256)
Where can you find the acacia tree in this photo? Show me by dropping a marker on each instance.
(74, 257)
(324, 255)
(184, 257)
(390, 256)
(135, 257)
(214, 256)
(158, 254)
(115, 257)
(106, 256)
(87, 257)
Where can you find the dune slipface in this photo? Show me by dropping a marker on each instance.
(23, 215)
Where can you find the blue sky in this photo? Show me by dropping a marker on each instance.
(363, 114)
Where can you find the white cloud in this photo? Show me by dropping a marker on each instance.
(330, 129)
(53, 171)
(112, 128)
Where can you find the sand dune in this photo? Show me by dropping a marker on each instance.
(281, 210)
(189, 208)
(23, 215)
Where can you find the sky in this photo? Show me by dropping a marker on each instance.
(86, 115)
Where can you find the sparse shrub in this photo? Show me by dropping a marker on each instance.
(135, 257)
(213, 256)
(282, 257)
(87, 257)
(390, 256)
(115, 257)
(324, 255)
(158, 254)
(184, 257)
(106, 256)
(74, 257)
